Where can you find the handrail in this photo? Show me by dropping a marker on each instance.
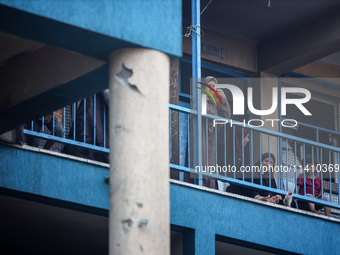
(274, 133)
(279, 139)
(184, 137)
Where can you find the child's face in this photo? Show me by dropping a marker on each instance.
(266, 162)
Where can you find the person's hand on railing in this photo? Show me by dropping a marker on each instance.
(274, 199)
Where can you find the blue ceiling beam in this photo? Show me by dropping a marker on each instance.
(96, 28)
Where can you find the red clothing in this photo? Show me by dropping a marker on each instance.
(309, 185)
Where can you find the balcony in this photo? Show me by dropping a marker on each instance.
(202, 218)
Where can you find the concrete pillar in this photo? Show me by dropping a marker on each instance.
(139, 158)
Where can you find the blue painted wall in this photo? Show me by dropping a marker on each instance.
(253, 223)
(54, 177)
(207, 214)
(154, 24)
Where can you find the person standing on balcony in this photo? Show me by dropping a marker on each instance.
(241, 151)
(301, 183)
(208, 142)
(92, 129)
(58, 126)
(240, 147)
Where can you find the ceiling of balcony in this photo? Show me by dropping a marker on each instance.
(249, 19)
(256, 20)
(28, 69)
(11, 46)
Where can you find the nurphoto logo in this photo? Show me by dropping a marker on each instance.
(239, 103)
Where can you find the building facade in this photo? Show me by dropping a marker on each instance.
(151, 55)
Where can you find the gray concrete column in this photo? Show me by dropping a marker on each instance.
(139, 158)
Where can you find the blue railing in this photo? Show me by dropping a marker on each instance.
(82, 128)
(288, 149)
(319, 134)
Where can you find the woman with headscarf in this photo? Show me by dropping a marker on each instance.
(208, 142)
(265, 163)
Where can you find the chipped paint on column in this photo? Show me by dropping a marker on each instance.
(139, 158)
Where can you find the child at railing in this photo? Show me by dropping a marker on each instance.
(54, 125)
(310, 166)
(267, 160)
